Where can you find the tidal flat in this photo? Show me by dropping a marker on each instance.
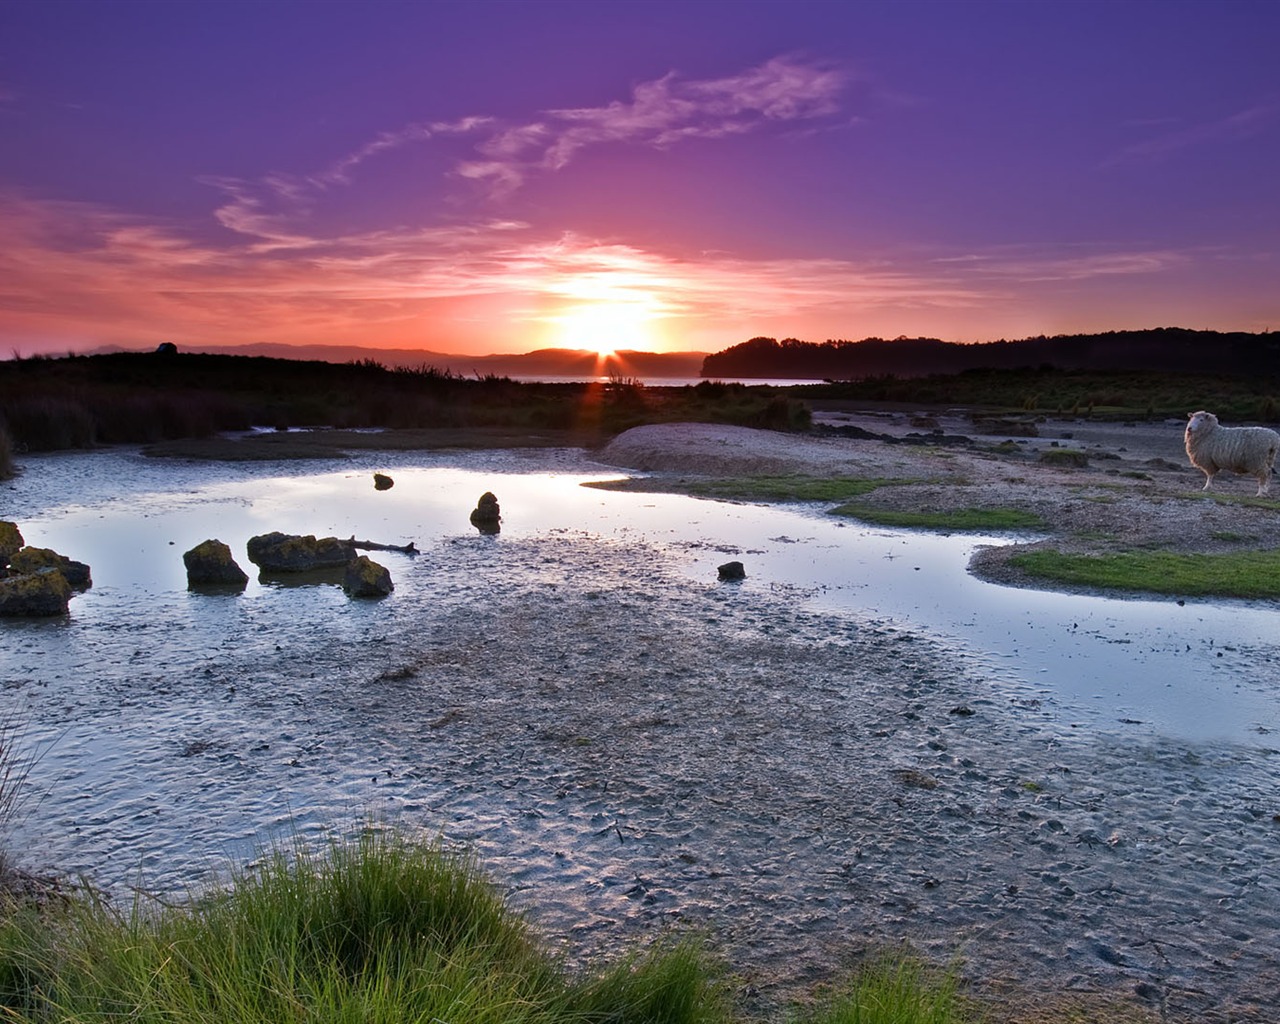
(848, 750)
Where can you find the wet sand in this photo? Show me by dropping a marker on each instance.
(629, 752)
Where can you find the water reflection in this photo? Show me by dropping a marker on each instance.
(1199, 670)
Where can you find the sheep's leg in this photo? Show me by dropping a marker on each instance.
(1208, 479)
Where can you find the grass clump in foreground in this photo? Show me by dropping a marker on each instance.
(894, 990)
(377, 930)
(952, 519)
(1245, 574)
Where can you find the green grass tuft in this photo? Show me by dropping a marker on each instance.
(976, 519)
(899, 990)
(1246, 574)
(373, 931)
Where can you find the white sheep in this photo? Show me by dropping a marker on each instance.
(1247, 450)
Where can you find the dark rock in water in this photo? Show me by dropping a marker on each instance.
(364, 577)
(11, 541)
(30, 560)
(44, 592)
(282, 552)
(382, 482)
(732, 571)
(210, 564)
(487, 516)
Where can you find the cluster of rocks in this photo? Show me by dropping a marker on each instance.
(36, 581)
(210, 563)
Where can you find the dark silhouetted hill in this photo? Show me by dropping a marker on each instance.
(548, 362)
(1164, 349)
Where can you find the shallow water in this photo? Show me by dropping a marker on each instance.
(1198, 670)
(630, 742)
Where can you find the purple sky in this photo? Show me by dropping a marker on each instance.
(498, 177)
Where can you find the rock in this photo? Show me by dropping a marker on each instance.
(487, 516)
(30, 560)
(166, 348)
(11, 541)
(732, 571)
(1069, 457)
(44, 592)
(366, 578)
(382, 482)
(282, 552)
(1008, 426)
(210, 564)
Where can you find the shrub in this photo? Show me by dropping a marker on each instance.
(50, 424)
(7, 466)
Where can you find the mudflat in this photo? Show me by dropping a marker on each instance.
(1097, 486)
(631, 753)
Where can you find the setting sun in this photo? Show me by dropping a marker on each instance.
(605, 327)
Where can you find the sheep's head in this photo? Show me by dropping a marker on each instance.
(1200, 422)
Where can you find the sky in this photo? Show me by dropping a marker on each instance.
(491, 177)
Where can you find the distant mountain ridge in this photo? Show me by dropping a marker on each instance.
(548, 362)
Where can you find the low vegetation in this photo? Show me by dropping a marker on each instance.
(375, 931)
(1244, 574)
(144, 398)
(894, 990)
(960, 519)
(378, 930)
(7, 467)
(1110, 395)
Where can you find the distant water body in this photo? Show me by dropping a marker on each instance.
(663, 382)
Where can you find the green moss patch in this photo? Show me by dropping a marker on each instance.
(1245, 574)
(975, 519)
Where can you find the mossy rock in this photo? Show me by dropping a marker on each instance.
(282, 552)
(209, 563)
(43, 593)
(11, 541)
(30, 560)
(364, 577)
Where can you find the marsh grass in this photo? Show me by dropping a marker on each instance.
(1245, 574)
(16, 762)
(961, 519)
(895, 990)
(7, 466)
(142, 398)
(374, 930)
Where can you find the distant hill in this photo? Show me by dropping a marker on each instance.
(1167, 349)
(549, 362)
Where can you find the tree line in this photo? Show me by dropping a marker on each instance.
(1165, 349)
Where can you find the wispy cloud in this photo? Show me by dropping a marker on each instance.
(784, 91)
(661, 113)
(1027, 264)
(1176, 136)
